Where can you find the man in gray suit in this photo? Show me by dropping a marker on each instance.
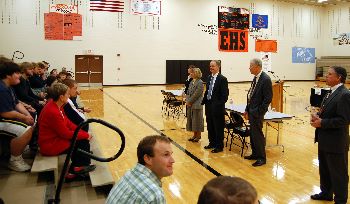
(332, 135)
(259, 98)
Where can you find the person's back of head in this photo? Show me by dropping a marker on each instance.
(228, 190)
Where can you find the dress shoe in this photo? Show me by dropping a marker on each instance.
(251, 157)
(192, 138)
(208, 147)
(321, 196)
(259, 162)
(196, 139)
(216, 150)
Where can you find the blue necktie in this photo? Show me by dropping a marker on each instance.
(210, 88)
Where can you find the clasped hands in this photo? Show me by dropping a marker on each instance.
(315, 120)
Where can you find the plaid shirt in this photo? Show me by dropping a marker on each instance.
(138, 185)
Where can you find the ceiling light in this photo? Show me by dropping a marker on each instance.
(320, 1)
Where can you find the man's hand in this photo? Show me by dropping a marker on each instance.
(315, 121)
(88, 110)
(28, 120)
(245, 115)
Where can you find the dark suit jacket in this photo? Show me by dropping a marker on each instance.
(187, 84)
(261, 97)
(220, 92)
(333, 135)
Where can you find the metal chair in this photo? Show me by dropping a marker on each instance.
(237, 128)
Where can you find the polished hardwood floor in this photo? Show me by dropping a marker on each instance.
(288, 177)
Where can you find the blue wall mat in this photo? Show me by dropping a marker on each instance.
(303, 55)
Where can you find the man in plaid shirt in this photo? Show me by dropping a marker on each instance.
(142, 184)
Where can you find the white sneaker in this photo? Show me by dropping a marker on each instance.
(18, 164)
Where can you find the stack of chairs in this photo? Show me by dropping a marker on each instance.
(171, 105)
(236, 127)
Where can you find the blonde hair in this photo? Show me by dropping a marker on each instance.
(197, 73)
(25, 65)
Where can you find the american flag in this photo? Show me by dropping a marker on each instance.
(107, 5)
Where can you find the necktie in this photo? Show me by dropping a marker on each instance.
(252, 87)
(210, 88)
(324, 100)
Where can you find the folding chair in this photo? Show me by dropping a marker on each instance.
(174, 105)
(237, 128)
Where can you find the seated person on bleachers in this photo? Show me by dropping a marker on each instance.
(56, 132)
(75, 115)
(228, 190)
(15, 120)
(53, 73)
(36, 81)
(23, 89)
(50, 80)
(45, 66)
(61, 76)
(142, 184)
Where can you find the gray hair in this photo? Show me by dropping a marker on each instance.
(217, 62)
(56, 90)
(257, 62)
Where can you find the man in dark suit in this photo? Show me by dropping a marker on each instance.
(259, 98)
(215, 97)
(332, 135)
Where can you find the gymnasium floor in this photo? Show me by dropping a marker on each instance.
(289, 177)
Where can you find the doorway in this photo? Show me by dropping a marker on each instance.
(89, 70)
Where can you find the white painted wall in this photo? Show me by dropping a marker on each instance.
(144, 51)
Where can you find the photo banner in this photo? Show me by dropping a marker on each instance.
(233, 40)
(342, 39)
(266, 60)
(265, 46)
(303, 55)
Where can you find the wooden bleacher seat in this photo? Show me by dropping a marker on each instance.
(102, 175)
(99, 177)
(44, 163)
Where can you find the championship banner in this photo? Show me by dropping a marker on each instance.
(63, 8)
(236, 18)
(232, 40)
(145, 7)
(265, 46)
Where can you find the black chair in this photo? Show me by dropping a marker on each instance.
(171, 105)
(237, 128)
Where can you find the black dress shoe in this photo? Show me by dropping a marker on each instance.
(208, 147)
(321, 196)
(192, 138)
(259, 162)
(251, 157)
(216, 150)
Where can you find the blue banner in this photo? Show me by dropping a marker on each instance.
(303, 55)
(259, 21)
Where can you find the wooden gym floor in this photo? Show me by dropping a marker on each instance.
(288, 177)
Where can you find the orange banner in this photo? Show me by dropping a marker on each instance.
(266, 46)
(232, 40)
